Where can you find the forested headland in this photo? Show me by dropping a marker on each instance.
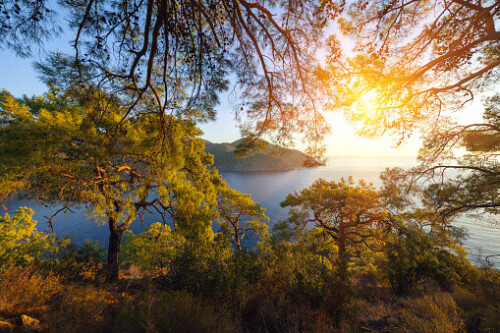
(118, 132)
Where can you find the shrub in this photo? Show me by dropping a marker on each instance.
(89, 309)
(481, 303)
(86, 309)
(491, 320)
(415, 255)
(490, 280)
(431, 313)
(213, 271)
(284, 315)
(20, 242)
(182, 312)
(25, 290)
(77, 262)
(152, 250)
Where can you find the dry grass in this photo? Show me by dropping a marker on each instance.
(81, 308)
(368, 311)
(26, 291)
(73, 307)
(138, 304)
(437, 313)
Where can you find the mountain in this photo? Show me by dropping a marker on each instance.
(274, 158)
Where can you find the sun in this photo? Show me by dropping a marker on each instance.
(366, 106)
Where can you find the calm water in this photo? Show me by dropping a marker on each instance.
(269, 189)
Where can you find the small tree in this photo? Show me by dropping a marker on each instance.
(348, 213)
(239, 215)
(80, 146)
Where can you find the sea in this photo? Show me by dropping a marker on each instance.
(269, 189)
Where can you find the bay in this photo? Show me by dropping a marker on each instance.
(269, 189)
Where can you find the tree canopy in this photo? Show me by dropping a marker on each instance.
(75, 147)
(20, 242)
(422, 58)
(181, 54)
(463, 182)
(347, 212)
(239, 215)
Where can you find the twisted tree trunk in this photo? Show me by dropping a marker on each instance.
(113, 264)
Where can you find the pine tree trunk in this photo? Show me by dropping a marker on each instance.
(113, 254)
(341, 244)
(342, 280)
(237, 241)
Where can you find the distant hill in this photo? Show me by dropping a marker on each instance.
(274, 158)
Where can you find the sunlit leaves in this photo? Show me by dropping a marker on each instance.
(20, 242)
(240, 216)
(345, 211)
(436, 56)
(76, 147)
(153, 249)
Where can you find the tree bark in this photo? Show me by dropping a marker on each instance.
(342, 278)
(115, 236)
(237, 241)
(341, 243)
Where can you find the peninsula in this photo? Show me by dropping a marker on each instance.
(273, 158)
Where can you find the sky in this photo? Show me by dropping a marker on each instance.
(342, 141)
(18, 76)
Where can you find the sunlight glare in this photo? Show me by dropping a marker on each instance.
(366, 106)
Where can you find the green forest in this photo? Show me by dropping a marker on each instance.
(117, 132)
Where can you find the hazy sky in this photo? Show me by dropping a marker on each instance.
(18, 77)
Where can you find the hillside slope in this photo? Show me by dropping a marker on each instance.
(274, 158)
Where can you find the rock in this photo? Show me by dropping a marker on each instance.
(28, 321)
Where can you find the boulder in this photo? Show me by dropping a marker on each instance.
(27, 321)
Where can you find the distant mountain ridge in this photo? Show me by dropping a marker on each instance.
(274, 158)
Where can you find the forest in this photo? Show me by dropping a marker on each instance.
(117, 133)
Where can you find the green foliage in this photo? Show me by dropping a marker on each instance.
(239, 215)
(77, 262)
(20, 242)
(291, 285)
(414, 255)
(366, 267)
(344, 210)
(487, 301)
(299, 270)
(79, 153)
(203, 270)
(79, 146)
(350, 215)
(491, 320)
(153, 250)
